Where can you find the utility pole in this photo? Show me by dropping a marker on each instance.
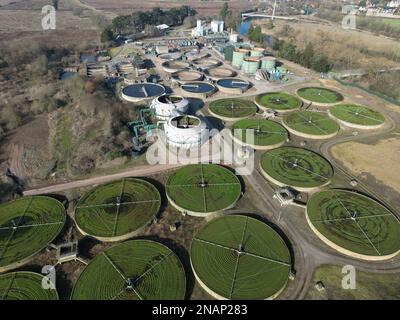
(273, 12)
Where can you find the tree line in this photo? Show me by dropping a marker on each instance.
(289, 51)
(139, 21)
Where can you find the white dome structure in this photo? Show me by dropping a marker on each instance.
(168, 106)
(186, 132)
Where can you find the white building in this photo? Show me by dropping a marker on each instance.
(217, 26)
(200, 30)
(185, 132)
(169, 106)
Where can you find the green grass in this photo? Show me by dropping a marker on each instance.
(297, 167)
(313, 123)
(155, 271)
(66, 135)
(38, 220)
(392, 22)
(320, 95)
(375, 230)
(233, 108)
(24, 286)
(99, 214)
(221, 188)
(278, 101)
(357, 114)
(263, 132)
(369, 285)
(259, 272)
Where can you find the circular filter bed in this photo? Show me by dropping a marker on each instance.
(24, 286)
(357, 116)
(354, 224)
(231, 109)
(279, 101)
(321, 96)
(133, 270)
(259, 134)
(298, 168)
(117, 210)
(202, 189)
(312, 125)
(238, 257)
(27, 226)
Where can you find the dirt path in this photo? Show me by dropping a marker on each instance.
(137, 172)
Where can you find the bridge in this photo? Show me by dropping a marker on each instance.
(263, 15)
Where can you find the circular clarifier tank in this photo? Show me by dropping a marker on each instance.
(142, 91)
(198, 89)
(175, 66)
(206, 63)
(219, 73)
(170, 56)
(187, 76)
(232, 85)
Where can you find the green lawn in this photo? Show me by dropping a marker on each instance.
(392, 22)
(233, 108)
(320, 95)
(313, 123)
(154, 271)
(260, 271)
(357, 114)
(261, 132)
(278, 101)
(369, 286)
(297, 167)
(24, 286)
(99, 214)
(27, 226)
(355, 222)
(203, 188)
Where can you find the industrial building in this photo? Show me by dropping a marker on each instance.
(185, 132)
(169, 106)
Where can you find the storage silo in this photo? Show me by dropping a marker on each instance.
(228, 53)
(250, 65)
(238, 57)
(268, 63)
(257, 52)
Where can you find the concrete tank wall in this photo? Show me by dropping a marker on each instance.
(250, 66)
(257, 52)
(192, 136)
(268, 63)
(169, 106)
(238, 57)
